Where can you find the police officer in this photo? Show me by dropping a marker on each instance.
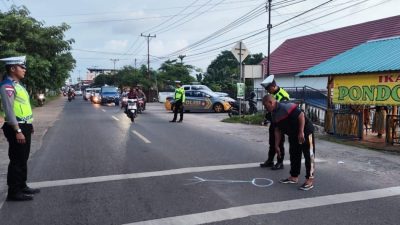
(179, 98)
(280, 95)
(17, 128)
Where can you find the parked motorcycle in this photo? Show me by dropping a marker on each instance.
(234, 110)
(131, 109)
(41, 98)
(252, 103)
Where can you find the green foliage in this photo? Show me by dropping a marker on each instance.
(49, 60)
(223, 72)
(256, 119)
(168, 72)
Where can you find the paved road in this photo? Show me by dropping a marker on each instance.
(95, 167)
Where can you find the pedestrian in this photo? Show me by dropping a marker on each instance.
(280, 95)
(379, 122)
(17, 128)
(290, 120)
(179, 98)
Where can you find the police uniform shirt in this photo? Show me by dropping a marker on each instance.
(8, 94)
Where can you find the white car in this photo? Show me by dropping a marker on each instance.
(195, 87)
(87, 93)
(78, 93)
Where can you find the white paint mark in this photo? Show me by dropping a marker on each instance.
(103, 110)
(141, 137)
(2, 199)
(258, 182)
(98, 179)
(272, 207)
(115, 118)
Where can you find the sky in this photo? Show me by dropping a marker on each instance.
(110, 31)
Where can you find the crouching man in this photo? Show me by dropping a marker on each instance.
(290, 120)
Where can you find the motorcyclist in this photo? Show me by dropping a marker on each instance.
(141, 95)
(252, 103)
(131, 95)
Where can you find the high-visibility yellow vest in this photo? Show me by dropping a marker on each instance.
(22, 105)
(180, 94)
(281, 95)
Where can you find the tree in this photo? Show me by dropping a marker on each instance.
(223, 72)
(49, 60)
(172, 70)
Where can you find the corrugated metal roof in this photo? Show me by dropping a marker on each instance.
(301, 53)
(373, 56)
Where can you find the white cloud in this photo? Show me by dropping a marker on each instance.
(116, 45)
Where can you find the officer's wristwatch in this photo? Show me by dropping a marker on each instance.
(18, 131)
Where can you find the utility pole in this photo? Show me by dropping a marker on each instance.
(148, 59)
(269, 37)
(148, 51)
(135, 63)
(114, 61)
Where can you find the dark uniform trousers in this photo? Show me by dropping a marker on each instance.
(18, 154)
(271, 151)
(296, 150)
(178, 107)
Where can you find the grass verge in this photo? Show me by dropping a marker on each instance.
(256, 119)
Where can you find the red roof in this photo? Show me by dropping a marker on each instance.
(298, 54)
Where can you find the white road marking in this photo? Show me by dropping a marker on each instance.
(141, 137)
(272, 207)
(115, 118)
(88, 180)
(103, 110)
(2, 199)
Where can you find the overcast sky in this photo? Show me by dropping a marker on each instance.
(101, 28)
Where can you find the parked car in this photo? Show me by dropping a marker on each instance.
(195, 87)
(202, 101)
(109, 94)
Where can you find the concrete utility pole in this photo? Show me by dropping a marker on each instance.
(114, 61)
(148, 51)
(269, 36)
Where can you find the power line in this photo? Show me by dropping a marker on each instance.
(148, 51)
(172, 17)
(176, 24)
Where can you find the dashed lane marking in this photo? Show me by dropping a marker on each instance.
(88, 180)
(103, 110)
(115, 118)
(272, 207)
(141, 137)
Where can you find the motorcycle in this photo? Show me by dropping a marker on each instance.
(234, 110)
(140, 105)
(124, 102)
(41, 99)
(131, 109)
(70, 97)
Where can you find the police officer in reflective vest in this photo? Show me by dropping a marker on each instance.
(179, 98)
(17, 128)
(280, 95)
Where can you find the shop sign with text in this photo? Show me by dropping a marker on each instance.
(376, 89)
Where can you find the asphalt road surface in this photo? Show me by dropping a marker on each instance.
(96, 167)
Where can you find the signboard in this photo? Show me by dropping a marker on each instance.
(375, 89)
(240, 90)
(253, 71)
(240, 49)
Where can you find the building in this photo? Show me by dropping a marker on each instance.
(94, 72)
(299, 54)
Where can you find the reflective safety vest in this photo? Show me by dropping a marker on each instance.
(180, 94)
(22, 105)
(281, 95)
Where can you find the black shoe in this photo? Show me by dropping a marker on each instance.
(172, 121)
(267, 164)
(19, 197)
(30, 191)
(180, 121)
(278, 166)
